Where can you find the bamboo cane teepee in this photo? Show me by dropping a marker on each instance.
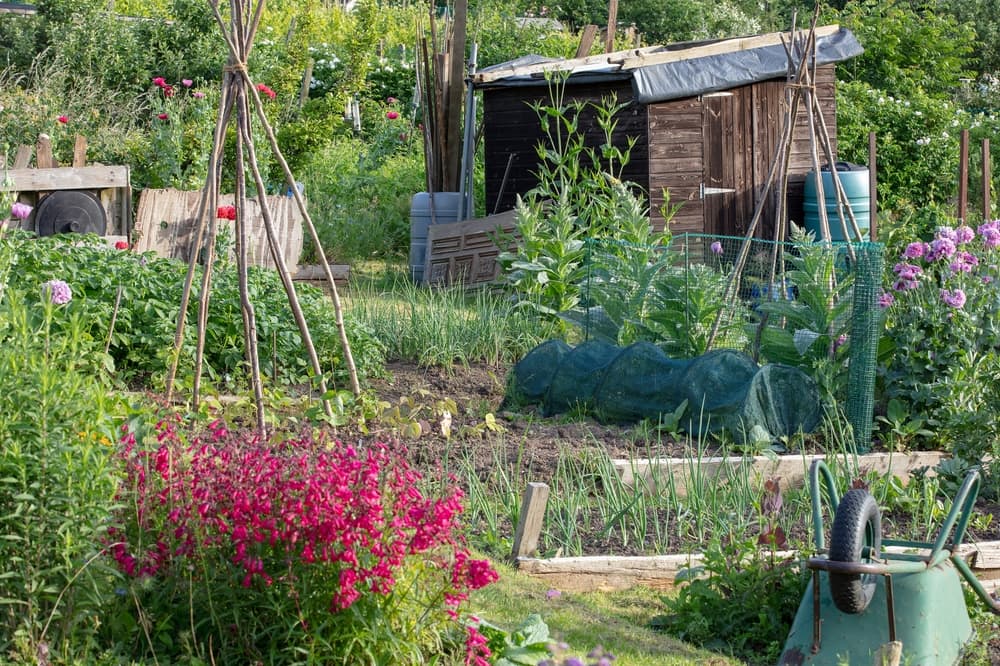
(240, 103)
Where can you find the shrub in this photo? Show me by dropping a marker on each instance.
(295, 551)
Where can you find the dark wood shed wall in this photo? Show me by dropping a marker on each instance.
(726, 142)
(513, 132)
(723, 140)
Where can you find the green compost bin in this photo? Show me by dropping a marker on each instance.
(854, 179)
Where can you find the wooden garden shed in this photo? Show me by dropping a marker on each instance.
(706, 119)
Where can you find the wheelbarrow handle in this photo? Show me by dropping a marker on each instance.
(819, 467)
(961, 511)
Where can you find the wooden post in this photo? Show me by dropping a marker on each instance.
(43, 153)
(987, 181)
(609, 40)
(80, 151)
(872, 188)
(586, 40)
(529, 523)
(963, 176)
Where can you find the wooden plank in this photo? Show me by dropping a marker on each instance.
(587, 37)
(23, 157)
(611, 573)
(719, 48)
(464, 252)
(529, 522)
(790, 470)
(609, 39)
(315, 273)
(80, 151)
(67, 178)
(43, 153)
(165, 223)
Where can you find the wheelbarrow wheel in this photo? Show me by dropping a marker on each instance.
(856, 527)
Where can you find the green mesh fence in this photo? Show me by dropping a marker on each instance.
(654, 318)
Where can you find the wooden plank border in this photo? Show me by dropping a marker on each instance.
(615, 573)
(791, 470)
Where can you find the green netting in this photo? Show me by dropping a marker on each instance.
(740, 329)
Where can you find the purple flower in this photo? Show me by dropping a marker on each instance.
(573, 661)
(946, 233)
(886, 299)
(904, 285)
(20, 211)
(990, 231)
(840, 341)
(955, 299)
(187, 83)
(716, 247)
(941, 248)
(197, 94)
(553, 594)
(908, 272)
(964, 234)
(915, 250)
(964, 262)
(57, 291)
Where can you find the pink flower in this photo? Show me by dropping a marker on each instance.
(392, 115)
(886, 299)
(162, 116)
(197, 94)
(63, 119)
(915, 250)
(187, 83)
(121, 245)
(20, 211)
(267, 91)
(57, 291)
(391, 100)
(159, 81)
(553, 594)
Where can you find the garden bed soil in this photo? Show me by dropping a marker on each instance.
(531, 444)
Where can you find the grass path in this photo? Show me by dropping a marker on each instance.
(617, 621)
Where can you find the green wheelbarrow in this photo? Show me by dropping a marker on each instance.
(863, 601)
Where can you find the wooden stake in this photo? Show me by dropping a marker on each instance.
(872, 188)
(963, 176)
(587, 37)
(987, 181)
(529, 523)
(609, 39)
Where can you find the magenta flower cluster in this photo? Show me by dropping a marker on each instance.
(948, 254)
(300, 503)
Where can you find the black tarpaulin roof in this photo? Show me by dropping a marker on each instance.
(676, 71)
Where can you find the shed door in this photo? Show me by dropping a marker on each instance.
(727, 159)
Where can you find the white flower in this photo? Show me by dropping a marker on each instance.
(923, 141)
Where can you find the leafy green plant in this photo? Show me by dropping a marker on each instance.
(57, 478)
(527, 645)
(580, 196)
(141, 338)
(744, 605)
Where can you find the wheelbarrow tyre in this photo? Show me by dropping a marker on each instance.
(856, 526)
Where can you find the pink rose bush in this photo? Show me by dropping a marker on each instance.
(335, 542)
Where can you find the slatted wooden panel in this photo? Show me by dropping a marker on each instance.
(165, 223)
(676, 162)
(464, 252)
(513, 128)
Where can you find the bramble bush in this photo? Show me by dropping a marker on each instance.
(943, 323)
(302, 550)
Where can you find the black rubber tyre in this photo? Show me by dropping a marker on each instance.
(857, 525)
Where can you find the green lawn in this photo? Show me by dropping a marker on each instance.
(617, 621)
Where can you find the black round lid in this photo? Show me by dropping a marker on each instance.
(70, 211)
